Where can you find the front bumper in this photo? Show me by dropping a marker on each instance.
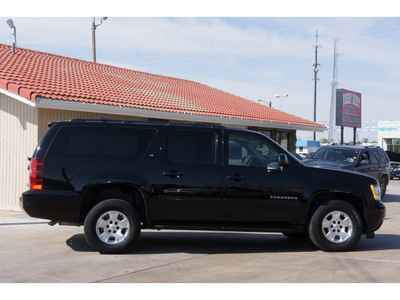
(59, 206)
(375, 215)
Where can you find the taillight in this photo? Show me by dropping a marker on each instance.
(36, 173)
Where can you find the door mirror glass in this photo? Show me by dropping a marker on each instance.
(283, 160)
(279, 164)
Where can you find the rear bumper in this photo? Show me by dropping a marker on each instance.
(60, 206)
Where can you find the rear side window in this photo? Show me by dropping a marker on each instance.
(101, 142)
(374, 157)
(382, 157)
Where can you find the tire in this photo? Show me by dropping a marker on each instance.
(335, 226)
(383, 184)
(112, 226)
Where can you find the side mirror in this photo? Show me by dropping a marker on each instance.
(283, 160)
(278, 165)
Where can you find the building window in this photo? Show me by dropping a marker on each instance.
(268, 133)
(282, 138)
(393, 145)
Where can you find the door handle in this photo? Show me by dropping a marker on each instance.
(236, 177)
(173, 174)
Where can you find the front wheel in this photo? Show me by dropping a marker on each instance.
(335, 226)
(111, 226)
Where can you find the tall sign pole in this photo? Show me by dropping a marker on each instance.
(315, 69)
(348, 111)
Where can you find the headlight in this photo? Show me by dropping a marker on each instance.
(376, 191)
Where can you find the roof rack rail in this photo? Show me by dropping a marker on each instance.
(201, 124)
(104, 119)
(195, 123)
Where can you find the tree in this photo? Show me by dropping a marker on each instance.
(324, 141)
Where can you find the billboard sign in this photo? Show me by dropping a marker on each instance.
(348, 108)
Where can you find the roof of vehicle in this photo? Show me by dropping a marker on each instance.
(358, 147)
(38, 76)
(129, 122)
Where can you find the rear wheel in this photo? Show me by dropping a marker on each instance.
(335, 226)
(111, 226)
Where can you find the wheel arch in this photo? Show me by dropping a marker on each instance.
(353, 199)
(130, 193)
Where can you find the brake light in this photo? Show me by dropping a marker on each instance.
(36, 173)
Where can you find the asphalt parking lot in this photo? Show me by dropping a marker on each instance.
(32, 251)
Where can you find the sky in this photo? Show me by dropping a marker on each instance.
(249, 51)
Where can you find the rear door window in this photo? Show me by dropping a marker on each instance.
(191, 147)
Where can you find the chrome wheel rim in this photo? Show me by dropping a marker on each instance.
(337, 227)
(112, 227)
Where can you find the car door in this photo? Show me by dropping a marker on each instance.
(190, 176)
(369, 164)
(256, 189)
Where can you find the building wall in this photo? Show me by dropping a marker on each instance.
(47, 115)
(389, 140)
(18, 139)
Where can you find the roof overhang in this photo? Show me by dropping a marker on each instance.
(17, 97)
(145, 113)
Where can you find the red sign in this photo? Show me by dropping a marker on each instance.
(348, 108)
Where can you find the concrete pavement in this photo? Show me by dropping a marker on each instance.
(32, 251)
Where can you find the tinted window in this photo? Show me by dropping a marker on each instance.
(343, 155)
(191, 147)
(101, 142)
(382, 157)
(250, 150)
(374, 157)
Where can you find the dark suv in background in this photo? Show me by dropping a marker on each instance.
(119, 177)
(364, 159)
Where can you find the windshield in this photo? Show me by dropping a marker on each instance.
(343, 155)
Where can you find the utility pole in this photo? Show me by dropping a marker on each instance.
(94, 40)
(332, 116)
(94, 26)
(315, 68)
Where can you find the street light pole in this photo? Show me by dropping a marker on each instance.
(12, 26)
(281, 96)
(268, 103)
(94, 26)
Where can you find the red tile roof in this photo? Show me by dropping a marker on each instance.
(33, 74)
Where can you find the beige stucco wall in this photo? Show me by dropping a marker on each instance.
(18, 139)
(47, 115)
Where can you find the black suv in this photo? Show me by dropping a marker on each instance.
(118, 177)
(364, 159)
